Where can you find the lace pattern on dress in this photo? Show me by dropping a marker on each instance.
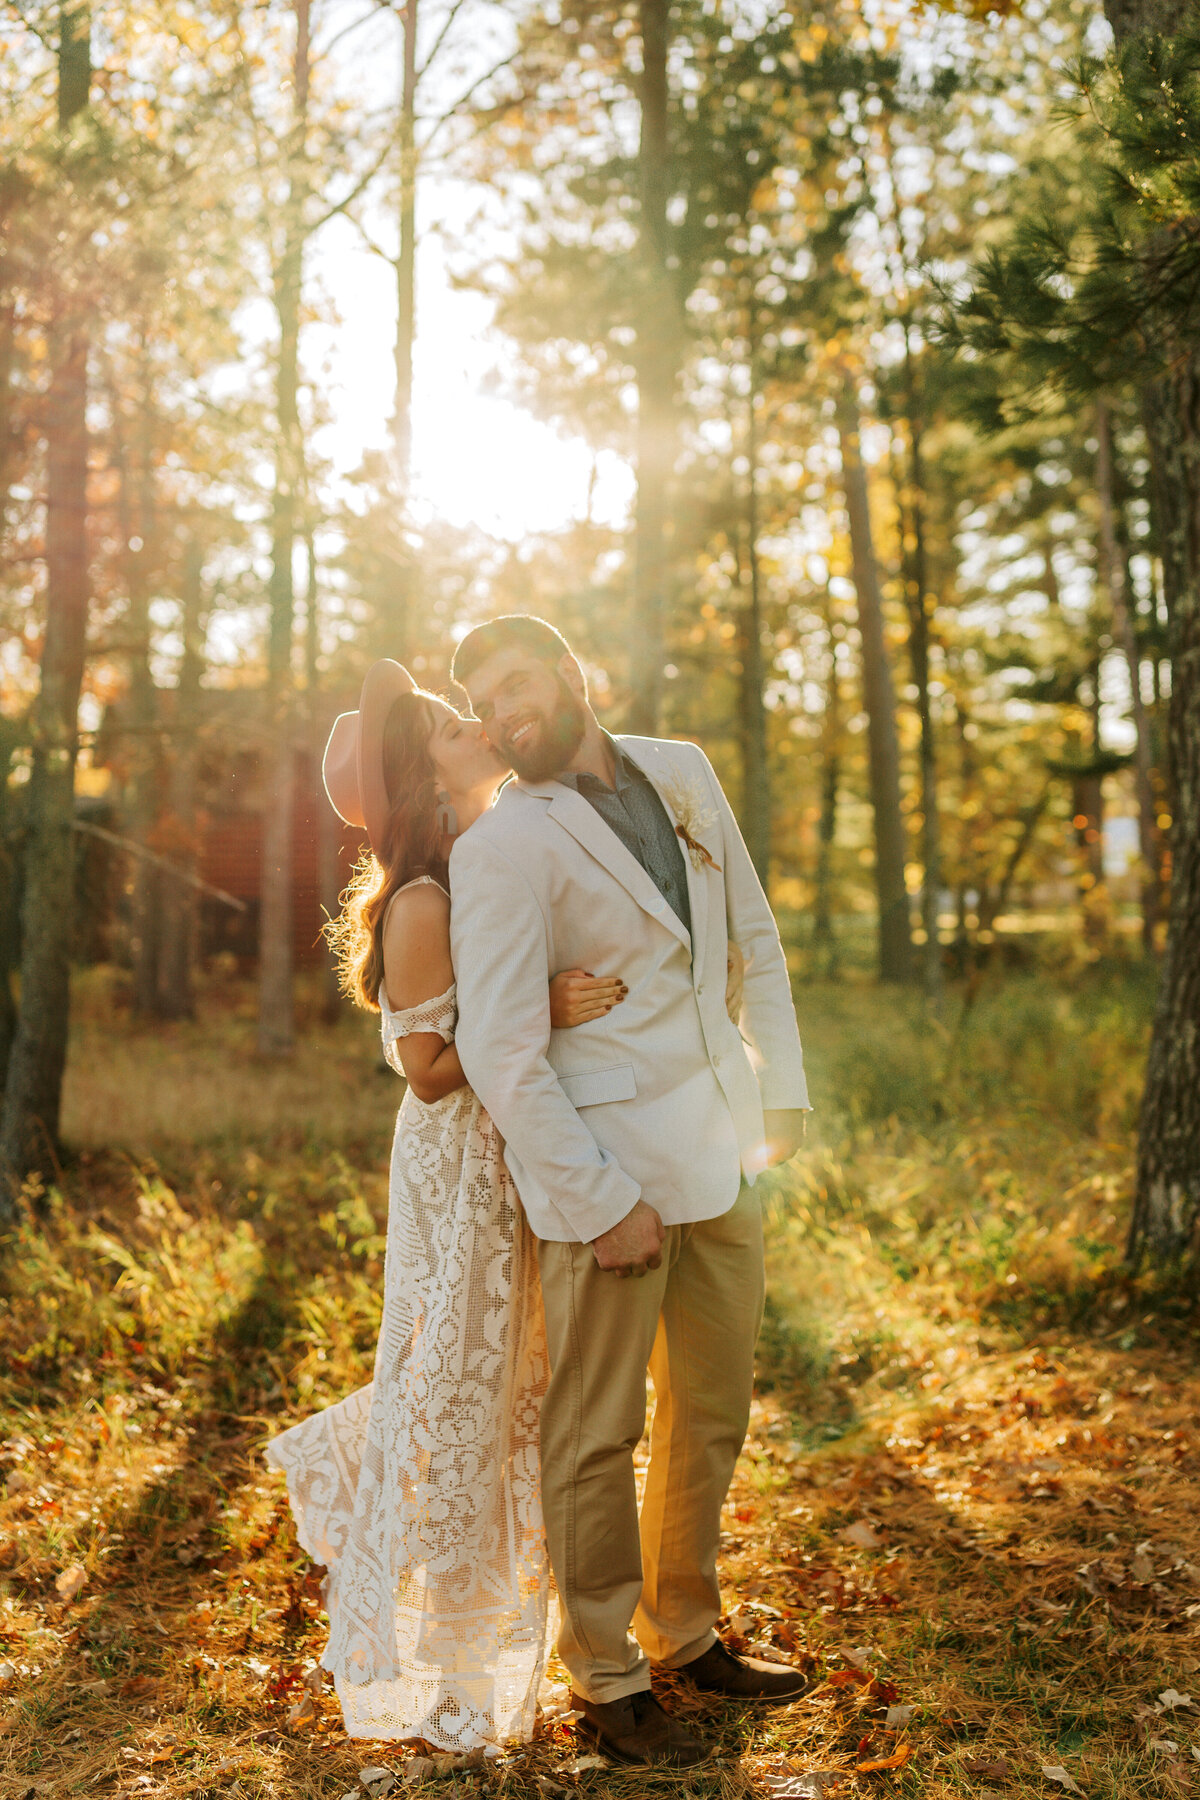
(440, 1015)
(420, 1493)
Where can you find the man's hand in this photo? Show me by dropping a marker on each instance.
(784, 1132)
(634, 1245)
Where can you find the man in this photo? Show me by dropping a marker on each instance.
(634, 1142)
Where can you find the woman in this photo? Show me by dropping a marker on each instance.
(420, 1492)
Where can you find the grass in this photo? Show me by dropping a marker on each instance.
(969, 1490)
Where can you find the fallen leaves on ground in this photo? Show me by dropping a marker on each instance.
(861, 1535)
(896, 1760)
(790, 1783)
(990, 1769)
(1056, 1772)
(978, 1539)
(71, 1583)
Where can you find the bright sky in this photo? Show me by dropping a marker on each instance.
(477, 458)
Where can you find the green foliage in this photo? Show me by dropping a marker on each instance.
(1104, 294)
(77, 1290)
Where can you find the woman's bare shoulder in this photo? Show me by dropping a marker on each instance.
(416, 913)
(416, 945)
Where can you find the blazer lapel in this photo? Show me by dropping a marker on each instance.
(586, 826)
(657, 767)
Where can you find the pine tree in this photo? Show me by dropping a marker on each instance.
(1108, 302)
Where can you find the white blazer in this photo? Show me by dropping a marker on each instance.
(662, 1098)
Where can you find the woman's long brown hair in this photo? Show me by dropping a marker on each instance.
(413, 846)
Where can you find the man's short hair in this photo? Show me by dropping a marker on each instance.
(513, 631)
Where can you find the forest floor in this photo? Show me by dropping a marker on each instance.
(969, 1504)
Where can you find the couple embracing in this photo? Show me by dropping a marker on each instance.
(579, 976)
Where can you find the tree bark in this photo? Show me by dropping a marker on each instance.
(879, 698)
(1166, 1213)
(10, 918)
(276, 998)
(328, 878)
(756, 783)
(1088, 802)
(9, 837)
(919, 636)
(656, 360)
(824, 939)
(399, 600)
(8, 427)
(180, 924)
(136, 510)
(1112, 573)
(406, 260)
(1166, 1216)
(33, 1090)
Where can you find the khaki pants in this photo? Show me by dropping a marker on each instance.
(694, 1322)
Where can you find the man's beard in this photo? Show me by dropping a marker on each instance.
(559, 737)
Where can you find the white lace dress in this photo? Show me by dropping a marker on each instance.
(420, 1493)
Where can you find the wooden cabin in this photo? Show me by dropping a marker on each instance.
(230, 859)
(221, 837)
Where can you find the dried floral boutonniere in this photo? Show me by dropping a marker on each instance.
(689, 802)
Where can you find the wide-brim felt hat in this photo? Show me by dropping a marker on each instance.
(353, 763)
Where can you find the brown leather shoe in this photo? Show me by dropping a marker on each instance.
(718, 1671)
(636, 1730)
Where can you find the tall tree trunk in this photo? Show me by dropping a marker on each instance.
(1166, 1215)
(9, 833)
(1087, 789)
(10, 919)
(1112, 573)
(328, 880)
(895, 940)
(968, 854)
(756, 785)
(919, 636)
(406, 260)
(656, 359)
(9, 837)
(33, 1090)
(8, 426)
(1088, 818)
(276, 998)
(138, 530)
(399, 601)
(824, 939)
(180, 922)
(1166, 1212)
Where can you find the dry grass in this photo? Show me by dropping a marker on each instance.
(952, 1361)
(152, 1089)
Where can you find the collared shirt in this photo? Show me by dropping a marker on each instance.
(634, 811)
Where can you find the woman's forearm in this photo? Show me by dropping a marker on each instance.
(443, 1076)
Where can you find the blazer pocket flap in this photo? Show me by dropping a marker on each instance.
(594, 1086)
